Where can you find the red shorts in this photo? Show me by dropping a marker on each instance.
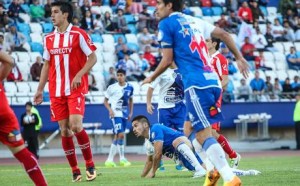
(10, 134)
(62, 107)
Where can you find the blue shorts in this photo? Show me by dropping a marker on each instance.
(203, 107)
(186, 163)
(173, 117)
(119, 125)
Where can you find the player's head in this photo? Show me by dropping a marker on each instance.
(28, 106)
(165, 7)
(61, 11)
(140, 125)
(121, 75)
(213, 43)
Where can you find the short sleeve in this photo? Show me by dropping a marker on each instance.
(208, 28)
(157, 134)
(108, 92)
(149, 148)
(86, 44)
(46, 54)
(131, 93)
(155, 82)
(164, 35)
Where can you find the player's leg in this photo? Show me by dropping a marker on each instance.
(184, 147)
(76, 106)
(112, 152)
(233, 156)
(179, 116)
(121, 146)
(202, 114)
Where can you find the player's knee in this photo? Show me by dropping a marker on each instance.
(120, 136)
(65, 132)
(215, 134)
(177, 142)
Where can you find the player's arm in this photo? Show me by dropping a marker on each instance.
(227, 39)
(149, 98)
(130, 108)
(224, 81)
(148, 166)
(92, 59)
(107, 106)
(158, 146)
(38, 97)
(7, 64)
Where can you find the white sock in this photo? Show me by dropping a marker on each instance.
(239, 172)
(112, 152)
(121, 151)
(189, 155)
(202, 154)
(217, 156)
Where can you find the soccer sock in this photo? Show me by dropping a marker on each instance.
(202, 154)
(84, 144)
(216, 155)
(112, 151)
(226, 147)
(190, 156)
(239, 172)
(31, 166)
(69, 148)
(121, 148)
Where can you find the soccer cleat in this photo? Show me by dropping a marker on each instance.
(234, 162)
(125, 163)
(77, 177)
(211, 178)
(110, 164)
(254, 172)
(235, 182)
(91, 174)
(199, 174)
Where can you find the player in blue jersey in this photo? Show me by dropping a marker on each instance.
(182, 39)
(120, 110)
(168, 142)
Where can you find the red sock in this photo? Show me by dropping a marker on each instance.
(226, 147)
(69, 148)
(84, 144)
(31, 166)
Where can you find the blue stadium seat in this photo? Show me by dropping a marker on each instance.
(133, 46)
(132, 28)
(207, 11)
(25, 7)
(129, 19)
(28, 38)
(264, 10)
(96, 38)
(36, 47)
(217, 11)
(116, 36)
(23, 27)
(105, 2)
(47, 27)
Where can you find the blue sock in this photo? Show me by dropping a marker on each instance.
(115, 142)
(208, 142)
(120, 141)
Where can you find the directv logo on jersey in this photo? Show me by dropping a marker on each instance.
(58, 51)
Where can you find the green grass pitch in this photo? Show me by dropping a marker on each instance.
(276, 171)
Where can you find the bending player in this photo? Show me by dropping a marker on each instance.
(168, 142)
(119, 95)
(10, 131)
(220, 65)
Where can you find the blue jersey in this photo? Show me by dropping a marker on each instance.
(186, 36)
(166, 135)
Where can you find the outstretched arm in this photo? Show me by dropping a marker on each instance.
(158, 146)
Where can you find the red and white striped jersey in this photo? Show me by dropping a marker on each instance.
(220, 64)
(67, 54)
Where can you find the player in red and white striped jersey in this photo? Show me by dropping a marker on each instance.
(10, 134)
(220, 65)
(69, 55)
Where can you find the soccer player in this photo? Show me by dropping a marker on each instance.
(69, 55)
(10, 134)
(220, 65)
(166, 141)
(182, 39)
(120, 110)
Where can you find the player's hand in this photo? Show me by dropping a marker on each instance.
(111, 114)
(150, 108)
(243, 67)
(150, 175)
(76, 82)
(38, 98)
(147, 80)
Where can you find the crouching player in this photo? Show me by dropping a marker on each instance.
(10, 132)
(168, 142)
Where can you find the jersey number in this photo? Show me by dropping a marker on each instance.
(199, 47)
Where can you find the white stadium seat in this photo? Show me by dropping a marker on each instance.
(131, 38)
(279, 46)
(23, 56)
(297, 45)
(23, 87)
(109, 57)
(282, 75)
(24, 69)
(36, 27)
(281, 65)
(287, 46)
(271, 73)
(33, 85)
(279, 56)
(293, 73)
(197, 11)
(34, 55)
(108, 39)
(10, 88)
(36, 37)
(272, 11)
(106, 9)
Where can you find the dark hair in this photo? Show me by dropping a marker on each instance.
(216, 40)
(28, 103)
(177, 5)
(141, 118)
(122, 71)
(65, 7)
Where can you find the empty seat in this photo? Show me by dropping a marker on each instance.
(131, 38)
(130, 19)
(282, 75)
(133, 46)
(278, 56)
(23, 27)
(36, 37)
(36, 47)
(108, 39)
(22, 99)
(23, 87)
(35, 27)
(33, 86)
(109, 48)
(96, 10)
(272, 11)
(96, 38)
(10, 87)
(269, 56)
(287, 46)
(208, 19)
(23, 56)
(99, 47)
(279, 46)
(109, 57)
(106, 9)
(25, 17)
(297, 45)
(132, 28)
(264, 10)
(25, 70)
(217, 11)
(281, 65)
(47, 27)
(207, 11)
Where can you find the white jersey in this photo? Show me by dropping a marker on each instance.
(118, 97)
(171, 88)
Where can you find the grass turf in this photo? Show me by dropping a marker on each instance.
(276, 171)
